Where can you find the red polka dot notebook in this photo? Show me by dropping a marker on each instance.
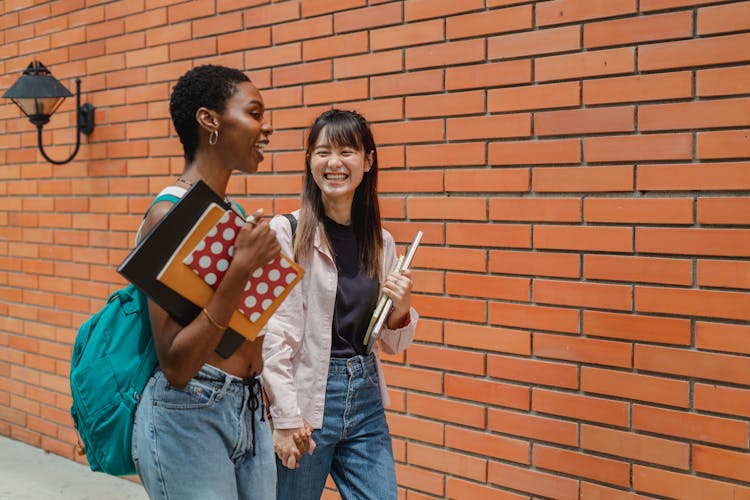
(210, 260)
(198, 265)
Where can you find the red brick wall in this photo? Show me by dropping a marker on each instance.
(580, 169)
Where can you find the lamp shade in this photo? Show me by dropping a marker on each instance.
(37, 93)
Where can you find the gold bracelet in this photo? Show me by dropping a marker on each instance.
(213, 321)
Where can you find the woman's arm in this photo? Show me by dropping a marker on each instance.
(183, 350)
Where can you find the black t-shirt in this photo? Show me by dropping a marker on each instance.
(356, 294)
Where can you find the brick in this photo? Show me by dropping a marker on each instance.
(425, 9)
(414, 378)
(491, 287)
(532, 426)
(302, 29)
(691, 176)
(580, 407)
(463, 208)
(676, 485)
(417, 82)
(563, 265)
(584, 350)
(585, 121)
(533, 481)
(271, 14)
(589, 295)
(487, 444)
(639, 210)
(637, 328)
(649, 147)
(467, 490)
(105, 30)
(410, 181)
(488, 127)
(585, 64)
(702, 114)
(646, 269)
(189, 10)
(501, 180)
(722, 81)
(720, 462)
(407, 35)
(635, 386)
(720, 399)
(655, 27)
(368, 64)
(461, 259)
(723, 18)
(724, 144)
(451, 308)
(446, 461)
(488, 75)
(638, 88)
(335, 46)
(458, 103)
(692, 426)
(722, 337)
(535, 42)
(712, 366)
(536, 209)
(722, 273)
(243, 40)
(419, 429)
(408, 132)
(444, 54)
(420, 479)
(192, 49)
(643, 448)
(447, 359)
(488, 339)
(533, 371)
(698, 241)
(456, 154)
(144, 20)
(367, 18)
(273, 56)
(555, 95)
(592, 238)
(582, 465)
(293, 74)
(583, 179)
(723, 210)
(450, 411)
(489, 22)
(696, 52)
(486, 391)
(508, 235)
(168, 34)
(310, 8)
(535, 152)
(566, 11)
(533, 317)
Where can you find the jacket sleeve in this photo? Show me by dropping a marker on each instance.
(395, 341)
(282, 341)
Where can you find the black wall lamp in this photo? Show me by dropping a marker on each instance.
(39, 94)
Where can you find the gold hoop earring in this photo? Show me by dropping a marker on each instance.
(213, 136)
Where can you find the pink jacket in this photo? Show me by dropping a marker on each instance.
(297, 345)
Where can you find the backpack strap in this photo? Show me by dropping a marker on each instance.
(292, 222)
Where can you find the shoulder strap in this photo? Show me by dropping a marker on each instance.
(292, 222)
(239, 209)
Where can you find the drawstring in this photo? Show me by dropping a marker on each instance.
(254, 402)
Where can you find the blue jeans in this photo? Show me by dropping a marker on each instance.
(207, 440)
(353, 445)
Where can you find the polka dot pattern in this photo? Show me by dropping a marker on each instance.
(211, 258)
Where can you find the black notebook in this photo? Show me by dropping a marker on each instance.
(148, 258)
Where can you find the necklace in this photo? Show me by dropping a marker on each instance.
(185, 181)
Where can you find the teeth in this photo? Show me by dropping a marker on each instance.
(336, 177)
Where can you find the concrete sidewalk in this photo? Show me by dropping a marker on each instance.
(28, 473)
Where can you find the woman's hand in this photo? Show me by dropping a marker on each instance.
(398, 287)
(290, 444)
(256, 244)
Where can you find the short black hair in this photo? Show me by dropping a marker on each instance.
(208, 86)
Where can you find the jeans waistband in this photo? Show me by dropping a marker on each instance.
(211, 373)
(353, 365)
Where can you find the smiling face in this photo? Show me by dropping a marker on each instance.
(337, 169)
(243, 132)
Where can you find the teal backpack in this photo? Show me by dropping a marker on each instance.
(113, 357)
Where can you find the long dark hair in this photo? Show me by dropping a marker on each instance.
(344, 128)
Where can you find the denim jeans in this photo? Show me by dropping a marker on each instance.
(354, 444)
(208, 440)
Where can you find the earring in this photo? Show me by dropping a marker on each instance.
(213, 136)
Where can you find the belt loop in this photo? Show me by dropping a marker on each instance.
(225, 387)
